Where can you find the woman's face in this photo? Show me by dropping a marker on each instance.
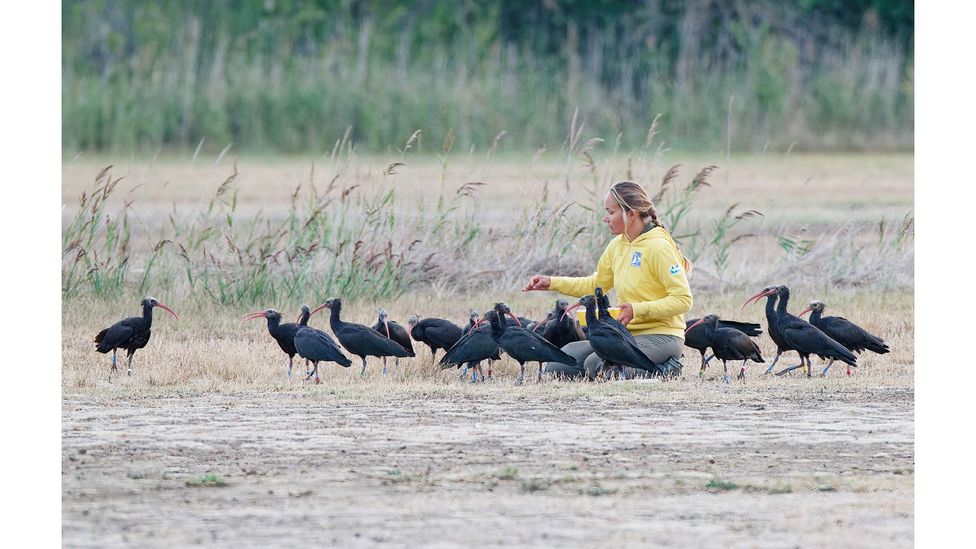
(614, 217)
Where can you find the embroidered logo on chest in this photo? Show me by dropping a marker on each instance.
(674, 269)
(635, 260)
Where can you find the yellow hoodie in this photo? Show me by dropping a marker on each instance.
(649, 273)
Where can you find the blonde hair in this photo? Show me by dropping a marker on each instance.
(630, 197)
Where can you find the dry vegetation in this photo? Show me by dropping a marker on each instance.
(210, 442)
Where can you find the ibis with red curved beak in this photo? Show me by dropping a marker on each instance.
(130, 333)
(283, 334)
(806, 338)
(727, 344)
(845, 332)
(615, 347)
(359, 339)
(771, 293)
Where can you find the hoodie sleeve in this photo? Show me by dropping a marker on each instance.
(583, 285)
(667, 266)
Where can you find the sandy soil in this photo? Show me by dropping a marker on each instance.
(553, 465)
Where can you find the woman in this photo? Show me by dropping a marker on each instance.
(645, 266)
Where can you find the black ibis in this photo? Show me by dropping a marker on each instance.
(615, 347)
(391, 330)
(315, 345)
(436, 333)
(523, 345)
(727, 344)
(561, 329)
(805, 338)
(845, 332)
(130, 333)
(696, 338)
(771, 293)
(473, 347)
(358, 339)
(284, 334)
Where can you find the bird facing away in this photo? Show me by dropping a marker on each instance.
(561, 329)
(728, 344)
(435, 333)
(391, 330)
(845, 332)
(130, 333)
(359, 339)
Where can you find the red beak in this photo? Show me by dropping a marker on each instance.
(700, 320)
(251, 316)
(537, 324)
(568, 309)
(317, 309)
(804, 311)
(756, 297)
(515, 318)
(165, 308)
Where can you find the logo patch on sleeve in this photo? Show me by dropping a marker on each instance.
(635, 260)
(674, 269)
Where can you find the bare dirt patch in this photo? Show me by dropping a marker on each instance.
(684, 463)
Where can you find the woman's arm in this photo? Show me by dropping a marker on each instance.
(580, 285)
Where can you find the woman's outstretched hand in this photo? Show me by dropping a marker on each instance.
(537, 282)
(626, 313)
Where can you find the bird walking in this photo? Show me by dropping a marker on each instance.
(391, 330)
(806, 338)
(771, 293)
(359, 339)
(848, 334)
(475, 346)
(695, 337)
(727, 344)
(130, 333)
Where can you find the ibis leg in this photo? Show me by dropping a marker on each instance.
(129, 365)
(114, 367)
(308, 364)
(708, 358)
(308, 373)
(363, 372)
(539, 378)
(704, 365)
(770, 369)
(384, 365)
(521, 378)
(809, 366)
(725, 372)
(742, 371)
(827, 369)
(489, 368)
(478, 369)
(464, 373)
(289, 366)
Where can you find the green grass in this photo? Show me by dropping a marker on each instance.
(721, 485)
(209, 480)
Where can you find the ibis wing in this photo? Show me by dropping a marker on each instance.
(114, 336)
(472, 347)
(525, 346)
(317, 345)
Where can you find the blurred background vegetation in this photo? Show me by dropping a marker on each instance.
(293, 76)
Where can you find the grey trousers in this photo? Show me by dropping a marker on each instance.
(660, 348)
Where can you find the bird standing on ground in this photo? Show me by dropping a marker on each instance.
(728, 344)
(845, 332)
(806, 338)
(523, 345)
(615, 347)
(696, 339)
(130, 334)
(316, 346)
(391, 330)
(358, 339)
(436, 333)
(284, 334)
(771, 293)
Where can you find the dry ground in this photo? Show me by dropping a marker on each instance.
(419, 457)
